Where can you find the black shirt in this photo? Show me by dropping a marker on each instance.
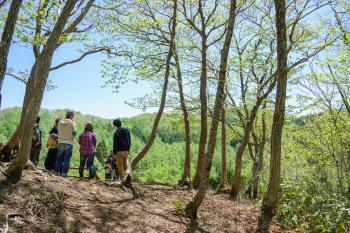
(121, 141)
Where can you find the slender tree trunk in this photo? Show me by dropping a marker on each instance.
(344, 97)
(204, 111)
(185, 180)
(34, 94)
(254, 175)
(254, 157)
(192, 206)
(236, 180)
(143, 152)
(251, 154)
(223, 180)
(270, 199)
(260, 156)
(7, 38)
(9, 149)
(343, 32)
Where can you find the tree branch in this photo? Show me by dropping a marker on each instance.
(82, 56)
(76, 22)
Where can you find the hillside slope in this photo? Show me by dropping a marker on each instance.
(42, 202)
(163, 163)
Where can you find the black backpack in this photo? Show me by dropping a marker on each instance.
(36, 137)
(123, 138)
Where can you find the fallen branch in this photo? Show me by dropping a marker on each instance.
(3, 172)
(11, 215)
(113, 184)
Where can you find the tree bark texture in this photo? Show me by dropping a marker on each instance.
(143, 152)
(270, 199)
(34, 93)
(236, 180)
(204, 111)
(192, 207)
(260, 156)
(223, 179)
(6, 39)
(185, 180)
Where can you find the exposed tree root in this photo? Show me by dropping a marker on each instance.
(185, 183)
(11, 215)
(113, 184)
(190, 212)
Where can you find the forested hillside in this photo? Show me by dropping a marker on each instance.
(165, 161)
(246, 99)
(314, 184)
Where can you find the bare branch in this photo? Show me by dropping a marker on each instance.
(17, 77)
(2, 3)
(108, 50)
(76, 22)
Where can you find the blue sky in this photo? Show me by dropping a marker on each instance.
(78, 85)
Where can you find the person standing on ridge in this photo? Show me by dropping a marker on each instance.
(66, 132)
(52, 145)
(87, 141)
(36, 143)
(121, 147)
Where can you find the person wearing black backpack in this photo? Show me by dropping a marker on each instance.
(121, 147)
(36, 143)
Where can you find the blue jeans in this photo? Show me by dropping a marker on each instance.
(89, 160)
(64, 152)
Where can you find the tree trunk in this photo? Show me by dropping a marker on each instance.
(192, 206)
(34, 94)
(270, 199)
(204, 111)
(260, 156)
(236, 180)
(185, 180)
(251, 154)
(143, 152)
(7, 38)
(254, 175)
(223, 180)
(14, 140)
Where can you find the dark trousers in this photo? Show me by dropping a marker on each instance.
(108, 176)
(89, 161)
(64, 152)
(50, 159)
(34, 155)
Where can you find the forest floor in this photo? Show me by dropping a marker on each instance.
(43, 202)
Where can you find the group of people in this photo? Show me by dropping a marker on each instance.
(60, 144)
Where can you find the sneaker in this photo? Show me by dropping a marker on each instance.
(81, 178)
(56, 173)
(118, 182)
(64, 174)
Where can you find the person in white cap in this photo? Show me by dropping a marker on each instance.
(66, 133)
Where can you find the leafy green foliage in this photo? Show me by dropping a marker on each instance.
(309, 206)
(312, 199)
(163, 163)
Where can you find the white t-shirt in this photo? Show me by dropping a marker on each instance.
(66, 128)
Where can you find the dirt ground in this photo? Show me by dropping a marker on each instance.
(42, 202)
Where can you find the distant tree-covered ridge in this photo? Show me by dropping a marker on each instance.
(169, 132)
(165, 162)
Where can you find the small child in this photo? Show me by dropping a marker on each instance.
(52, 142)
(87, 141)
(108, 170)
(114, 173)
